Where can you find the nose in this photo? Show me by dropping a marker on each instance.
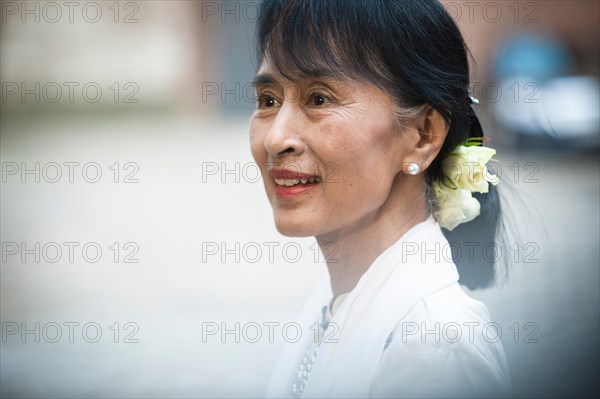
(284, 136)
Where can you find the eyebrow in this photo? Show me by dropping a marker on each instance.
(264, 79)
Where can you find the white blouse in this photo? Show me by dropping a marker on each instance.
(444, 347)
(406, 330)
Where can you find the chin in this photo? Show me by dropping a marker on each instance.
(295, 227)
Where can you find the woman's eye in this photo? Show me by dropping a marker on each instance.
(318, 99)
(266, 101)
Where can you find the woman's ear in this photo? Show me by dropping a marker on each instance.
(431, 130)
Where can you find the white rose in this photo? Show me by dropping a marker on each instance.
(465, 167)
(454, 206)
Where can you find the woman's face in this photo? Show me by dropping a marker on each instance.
(329, 151)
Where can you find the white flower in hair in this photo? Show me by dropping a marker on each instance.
(454, 206)
(465, 172)
(466, 168)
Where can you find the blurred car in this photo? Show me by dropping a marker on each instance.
(546, 102)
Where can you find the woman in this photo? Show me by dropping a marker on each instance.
(366, 140)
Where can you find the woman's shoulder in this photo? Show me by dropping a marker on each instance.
(448, 305)
(446, 345)
(449, 319)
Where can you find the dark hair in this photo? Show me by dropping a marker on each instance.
(413, 50)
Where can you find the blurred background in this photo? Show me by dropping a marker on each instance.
(139, 256)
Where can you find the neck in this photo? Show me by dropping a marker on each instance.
(350, 251)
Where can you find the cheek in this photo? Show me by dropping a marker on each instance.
(367, 167)
(367, 179)
(257, 141)
(374, 152)
(257, 148)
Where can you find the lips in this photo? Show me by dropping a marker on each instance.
(293, 182)
(289, 183)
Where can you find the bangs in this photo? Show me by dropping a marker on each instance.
(318, 38)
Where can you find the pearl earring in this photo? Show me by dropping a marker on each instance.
(412, 169)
